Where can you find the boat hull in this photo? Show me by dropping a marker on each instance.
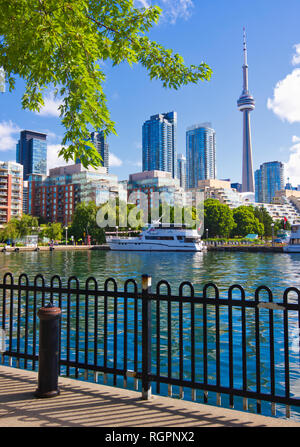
(152, 247)
(291, 249)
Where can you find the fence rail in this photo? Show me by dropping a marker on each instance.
(231, 346)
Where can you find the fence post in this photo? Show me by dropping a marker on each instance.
(48, 351)
(146, 337)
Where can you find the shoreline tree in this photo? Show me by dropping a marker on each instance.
(246, 222)
(84, 223)
(60, 44)
(218, 218)
(19, 227)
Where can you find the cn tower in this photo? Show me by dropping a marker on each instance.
(246, 104)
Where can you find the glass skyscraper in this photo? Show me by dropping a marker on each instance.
(99, 140)
(159, 143)
(181, 170)
(200, 153)
(32, 153)
(268, 179)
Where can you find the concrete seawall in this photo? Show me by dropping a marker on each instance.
(231, 248)
(9, 249)
(247, 248)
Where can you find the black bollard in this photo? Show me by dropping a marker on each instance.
(48, 351)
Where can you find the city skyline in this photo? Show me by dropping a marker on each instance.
(274, 58)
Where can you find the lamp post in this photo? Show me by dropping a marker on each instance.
(117, 230)
(206, 233)
(87, 235)
(66, 228)
(272, 225)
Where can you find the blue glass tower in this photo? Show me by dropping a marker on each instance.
(200, 154)
(159, 143)
(32, 153)
(99, 140)
(246, 104)
(181, 170)
(100, 143)
(268, 179)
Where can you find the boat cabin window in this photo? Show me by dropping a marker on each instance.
(190, 239)
(160, 238)
(295, 228)
(295, 241)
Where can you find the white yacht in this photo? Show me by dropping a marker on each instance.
(160, 237)
(294, 242)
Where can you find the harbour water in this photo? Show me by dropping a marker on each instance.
(275, 270)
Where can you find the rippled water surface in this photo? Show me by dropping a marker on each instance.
(275, 270)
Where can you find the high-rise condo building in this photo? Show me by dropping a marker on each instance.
(99, 140)
(55, 197)
(159, 143)
(32, 153)
(181, 170)
(269, 178)
(200, 153)
(246, 104)
(11, 190)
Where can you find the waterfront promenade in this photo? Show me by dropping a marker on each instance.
(85, 404)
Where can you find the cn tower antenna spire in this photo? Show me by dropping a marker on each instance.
(245, 66)
(245, 47)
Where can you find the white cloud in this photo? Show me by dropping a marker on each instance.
(142, 3)
(296, 57)
(176, 9)
(51, 106)
(53, 160)
(7, 139)
(286, 98)
(292, 167)
(171, 9)
(114, 161)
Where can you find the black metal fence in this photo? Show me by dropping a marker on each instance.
(232, 347)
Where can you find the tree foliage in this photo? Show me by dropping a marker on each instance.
(54, 231)
(246, 222)
(84, 223)
(264, 217)
(280, 225)
(218, 218)
(60, 44)
(19, 227)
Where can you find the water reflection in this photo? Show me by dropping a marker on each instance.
(276, 270)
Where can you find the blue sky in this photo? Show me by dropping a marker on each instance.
(209, 31)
